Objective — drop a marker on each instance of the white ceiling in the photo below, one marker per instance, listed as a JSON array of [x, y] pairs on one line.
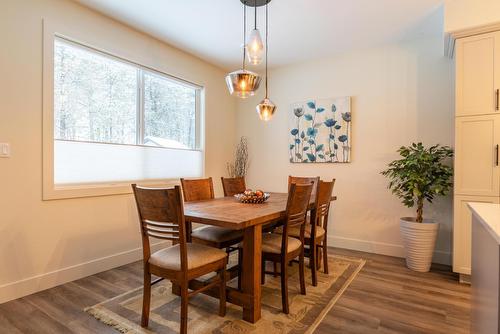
[[299, 30]]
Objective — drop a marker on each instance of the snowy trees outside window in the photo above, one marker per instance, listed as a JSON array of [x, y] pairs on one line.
[[99, 98]]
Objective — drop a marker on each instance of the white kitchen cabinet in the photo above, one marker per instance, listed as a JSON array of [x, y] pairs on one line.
[[477, 135], [476, 155], [462, 231], [477, 74]]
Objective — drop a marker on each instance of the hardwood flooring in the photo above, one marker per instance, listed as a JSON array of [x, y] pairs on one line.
[[385, 297]]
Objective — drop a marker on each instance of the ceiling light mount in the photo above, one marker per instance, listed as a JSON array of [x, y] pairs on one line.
[[255, 3]]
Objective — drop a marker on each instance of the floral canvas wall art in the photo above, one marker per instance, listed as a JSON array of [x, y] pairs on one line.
[[320, 131]]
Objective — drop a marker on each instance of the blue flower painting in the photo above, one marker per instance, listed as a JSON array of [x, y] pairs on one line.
[[320, 131]]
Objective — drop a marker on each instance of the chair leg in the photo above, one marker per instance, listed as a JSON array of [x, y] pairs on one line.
[[146, 298], [318, 257], [240, 264], [263, 272], [275, 269], [325, 256], [284, 287], [302, 273], [312, 262], [222, 291], [189, 230], [184, 308]]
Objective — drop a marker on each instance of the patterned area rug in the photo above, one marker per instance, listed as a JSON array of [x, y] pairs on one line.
[[306, 312]]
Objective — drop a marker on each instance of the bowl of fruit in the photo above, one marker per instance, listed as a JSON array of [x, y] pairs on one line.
[[253, 197]]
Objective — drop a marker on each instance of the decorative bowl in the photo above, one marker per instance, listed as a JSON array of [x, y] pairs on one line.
[[252, 199]]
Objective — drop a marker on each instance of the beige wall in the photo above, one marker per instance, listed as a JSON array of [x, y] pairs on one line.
[[463, 14], [400, 93], [46, 243]]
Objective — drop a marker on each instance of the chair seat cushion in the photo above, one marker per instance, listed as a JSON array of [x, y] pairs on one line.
[[217, 234], [295, 231], [271, 243], [197, 256]]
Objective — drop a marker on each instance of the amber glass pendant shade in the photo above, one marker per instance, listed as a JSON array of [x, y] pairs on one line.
[[243, 83], [266, 109]]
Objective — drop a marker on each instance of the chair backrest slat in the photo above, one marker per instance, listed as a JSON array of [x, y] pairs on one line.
[[161, 236], [171, 231], [233, 185], [161, 216], [160, 224], [296, 219], [197, 189]]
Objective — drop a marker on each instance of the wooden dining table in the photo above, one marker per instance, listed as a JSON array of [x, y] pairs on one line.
[[229, 213]]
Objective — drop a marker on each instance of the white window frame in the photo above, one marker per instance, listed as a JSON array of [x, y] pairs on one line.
[[50, 190]]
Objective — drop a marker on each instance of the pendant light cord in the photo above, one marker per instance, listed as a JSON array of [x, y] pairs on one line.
[[255, 15], [244, 33], [267, 34]]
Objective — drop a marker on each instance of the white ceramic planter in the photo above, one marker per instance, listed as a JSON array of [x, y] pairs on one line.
[[419, 240]]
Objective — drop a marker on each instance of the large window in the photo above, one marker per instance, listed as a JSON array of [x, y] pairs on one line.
[[108, 112], [104, 100]]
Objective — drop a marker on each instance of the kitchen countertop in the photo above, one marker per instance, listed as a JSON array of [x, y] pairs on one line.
[[489, 215]]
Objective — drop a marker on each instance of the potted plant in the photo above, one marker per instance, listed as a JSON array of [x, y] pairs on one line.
[[420, 175]]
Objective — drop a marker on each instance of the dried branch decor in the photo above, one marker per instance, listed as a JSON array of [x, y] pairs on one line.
[[239, 167]]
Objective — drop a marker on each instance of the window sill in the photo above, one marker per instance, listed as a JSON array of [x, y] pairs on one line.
[[102, 189]]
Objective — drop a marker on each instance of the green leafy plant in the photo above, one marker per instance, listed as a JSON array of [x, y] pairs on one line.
[[420, 175]]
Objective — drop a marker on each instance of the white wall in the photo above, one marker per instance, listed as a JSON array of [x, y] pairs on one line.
[[463, 14], [401, 93], [43, 243]]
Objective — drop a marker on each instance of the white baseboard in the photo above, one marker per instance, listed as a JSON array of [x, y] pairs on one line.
[[382, 248], [51, 279]]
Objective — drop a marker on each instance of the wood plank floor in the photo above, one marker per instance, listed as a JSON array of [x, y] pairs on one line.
[[384, 298]]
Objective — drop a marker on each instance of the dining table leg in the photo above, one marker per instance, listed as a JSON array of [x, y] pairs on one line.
[[251, 271]]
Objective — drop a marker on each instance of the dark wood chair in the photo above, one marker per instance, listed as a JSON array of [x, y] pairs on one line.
[[305, 180], [214, 236], [197, 189], [325, 192], [233, 185], [161, 215], [315, 235], [281, 248]]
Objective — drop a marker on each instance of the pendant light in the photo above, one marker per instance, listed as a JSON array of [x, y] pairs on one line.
[[266, 107], [255, 46], [243, 83]]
